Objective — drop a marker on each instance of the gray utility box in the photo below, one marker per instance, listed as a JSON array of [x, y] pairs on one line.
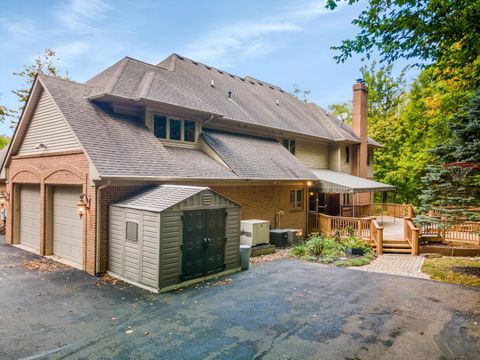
[[254, 232]]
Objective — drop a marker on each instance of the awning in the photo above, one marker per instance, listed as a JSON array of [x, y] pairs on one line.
[[331, 181]]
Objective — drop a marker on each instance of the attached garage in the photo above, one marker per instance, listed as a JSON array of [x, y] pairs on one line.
[[29, 215], [169, 234], [67, 232]]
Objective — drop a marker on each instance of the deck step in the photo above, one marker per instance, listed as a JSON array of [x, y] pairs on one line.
[[397, 250], [397, 245]]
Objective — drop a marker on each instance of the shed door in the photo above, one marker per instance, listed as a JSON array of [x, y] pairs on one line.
[[30, 216], [203, 243], [67, 224]]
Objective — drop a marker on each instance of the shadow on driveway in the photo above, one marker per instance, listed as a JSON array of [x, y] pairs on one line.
[[284, 309]]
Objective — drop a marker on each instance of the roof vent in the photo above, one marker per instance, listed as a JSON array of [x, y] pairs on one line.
[[212, 83], [230, 95], [277, 102]]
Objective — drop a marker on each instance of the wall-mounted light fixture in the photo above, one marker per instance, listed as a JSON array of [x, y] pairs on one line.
[[83, 204], [4, 196], [309, 183]]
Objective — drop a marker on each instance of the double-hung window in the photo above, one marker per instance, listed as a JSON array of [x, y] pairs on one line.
[[296, 199], [174, 129]]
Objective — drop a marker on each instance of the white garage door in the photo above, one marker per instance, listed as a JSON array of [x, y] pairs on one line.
[[67, 224], [30, 216]]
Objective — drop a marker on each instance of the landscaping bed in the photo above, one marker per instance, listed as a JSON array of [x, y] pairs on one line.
[[338, 251], [456, 270]]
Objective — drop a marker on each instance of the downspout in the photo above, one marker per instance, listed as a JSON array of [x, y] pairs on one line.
[[97, 225]]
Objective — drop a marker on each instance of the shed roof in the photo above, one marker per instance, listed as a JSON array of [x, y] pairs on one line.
[[338, 182], [160, 198]]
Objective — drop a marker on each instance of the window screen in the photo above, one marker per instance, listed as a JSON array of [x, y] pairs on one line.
[[160, 126], [189, 130], [175, 129], [132, 231]]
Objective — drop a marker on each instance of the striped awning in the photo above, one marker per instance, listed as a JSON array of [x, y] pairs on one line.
[[336, 182]]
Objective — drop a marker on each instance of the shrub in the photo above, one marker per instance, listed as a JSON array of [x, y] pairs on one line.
[[314, 245], [298, 250], [310, 258]]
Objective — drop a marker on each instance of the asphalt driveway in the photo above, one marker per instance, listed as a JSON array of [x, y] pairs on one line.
[[285, 309]]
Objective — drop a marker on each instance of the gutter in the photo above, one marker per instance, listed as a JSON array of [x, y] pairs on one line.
[[97, 227]]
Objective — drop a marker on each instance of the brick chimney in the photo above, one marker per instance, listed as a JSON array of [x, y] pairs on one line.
[[360, 125]]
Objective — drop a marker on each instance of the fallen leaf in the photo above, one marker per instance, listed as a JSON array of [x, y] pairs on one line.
[[128, 331]]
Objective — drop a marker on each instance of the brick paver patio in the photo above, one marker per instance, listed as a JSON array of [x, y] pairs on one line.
[[396, 264]]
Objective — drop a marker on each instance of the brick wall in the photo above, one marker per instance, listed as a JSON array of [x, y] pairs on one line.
[[262, 202]]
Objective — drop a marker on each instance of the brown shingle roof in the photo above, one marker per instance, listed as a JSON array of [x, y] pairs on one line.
[[121, 146], [254, 157], [187, 83]]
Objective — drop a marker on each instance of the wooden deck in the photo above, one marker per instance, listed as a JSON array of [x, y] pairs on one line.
[[392, 227]]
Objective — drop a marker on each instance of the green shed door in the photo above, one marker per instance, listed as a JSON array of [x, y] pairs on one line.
[[215, 249], [203, 250], [193, 258]]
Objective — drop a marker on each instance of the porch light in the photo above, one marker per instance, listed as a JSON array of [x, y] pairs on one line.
[[83, 204], [309, 183], [3, 197]]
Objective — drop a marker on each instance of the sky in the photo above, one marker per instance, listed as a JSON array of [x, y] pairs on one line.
[[286, 43]]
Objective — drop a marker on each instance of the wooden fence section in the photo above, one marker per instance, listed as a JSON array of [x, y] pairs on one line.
[[376, 235]]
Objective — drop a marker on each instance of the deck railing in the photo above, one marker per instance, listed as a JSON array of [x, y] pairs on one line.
[[376, 235], [367, 228], [464, 232], [377, 209], [328, 225], [411, 234]]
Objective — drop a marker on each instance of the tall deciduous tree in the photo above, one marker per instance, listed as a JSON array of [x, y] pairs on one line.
[[342, 111], [44, 63], [432, 31]]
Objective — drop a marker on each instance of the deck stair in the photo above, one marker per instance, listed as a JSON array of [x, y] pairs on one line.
[[394, 246]]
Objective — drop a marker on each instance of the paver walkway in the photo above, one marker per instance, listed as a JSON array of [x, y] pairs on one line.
[[395, 264]]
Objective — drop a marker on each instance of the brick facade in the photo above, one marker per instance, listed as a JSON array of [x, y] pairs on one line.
[[47, 170], [263, 201]]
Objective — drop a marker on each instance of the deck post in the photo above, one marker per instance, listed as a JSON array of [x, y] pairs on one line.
[[405, 228], [410, 211], [380, 240], [415, 235]]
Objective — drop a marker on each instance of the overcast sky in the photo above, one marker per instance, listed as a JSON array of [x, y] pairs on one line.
[[281, 42]]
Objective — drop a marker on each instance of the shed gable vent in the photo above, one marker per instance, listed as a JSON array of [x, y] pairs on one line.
[[206, 199]]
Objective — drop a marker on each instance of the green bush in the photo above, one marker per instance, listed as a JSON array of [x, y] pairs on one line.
[[314, 245], [298, 250], [309, 258]]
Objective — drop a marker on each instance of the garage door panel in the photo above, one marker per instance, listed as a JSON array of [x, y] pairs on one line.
[[30, 216], [67, 224]]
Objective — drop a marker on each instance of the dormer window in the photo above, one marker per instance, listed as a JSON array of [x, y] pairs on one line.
[[174, 129], [289, 145]]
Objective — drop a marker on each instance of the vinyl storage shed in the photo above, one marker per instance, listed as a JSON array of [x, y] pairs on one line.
[[169, 234]]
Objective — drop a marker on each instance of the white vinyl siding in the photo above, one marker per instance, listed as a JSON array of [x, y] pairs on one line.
[[48, 127], [312, 155]]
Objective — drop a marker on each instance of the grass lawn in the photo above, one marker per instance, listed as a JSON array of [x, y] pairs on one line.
[[457, 270]]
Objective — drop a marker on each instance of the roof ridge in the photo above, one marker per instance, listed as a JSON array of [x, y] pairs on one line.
[[40, 74]]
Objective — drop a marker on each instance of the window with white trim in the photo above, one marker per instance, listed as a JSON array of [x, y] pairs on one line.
[[174, 129]]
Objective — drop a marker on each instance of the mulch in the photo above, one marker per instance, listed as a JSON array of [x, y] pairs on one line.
[[467, 270], [262, 259]]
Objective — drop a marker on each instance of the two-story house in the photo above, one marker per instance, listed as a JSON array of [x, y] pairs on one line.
[[80, 147]]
